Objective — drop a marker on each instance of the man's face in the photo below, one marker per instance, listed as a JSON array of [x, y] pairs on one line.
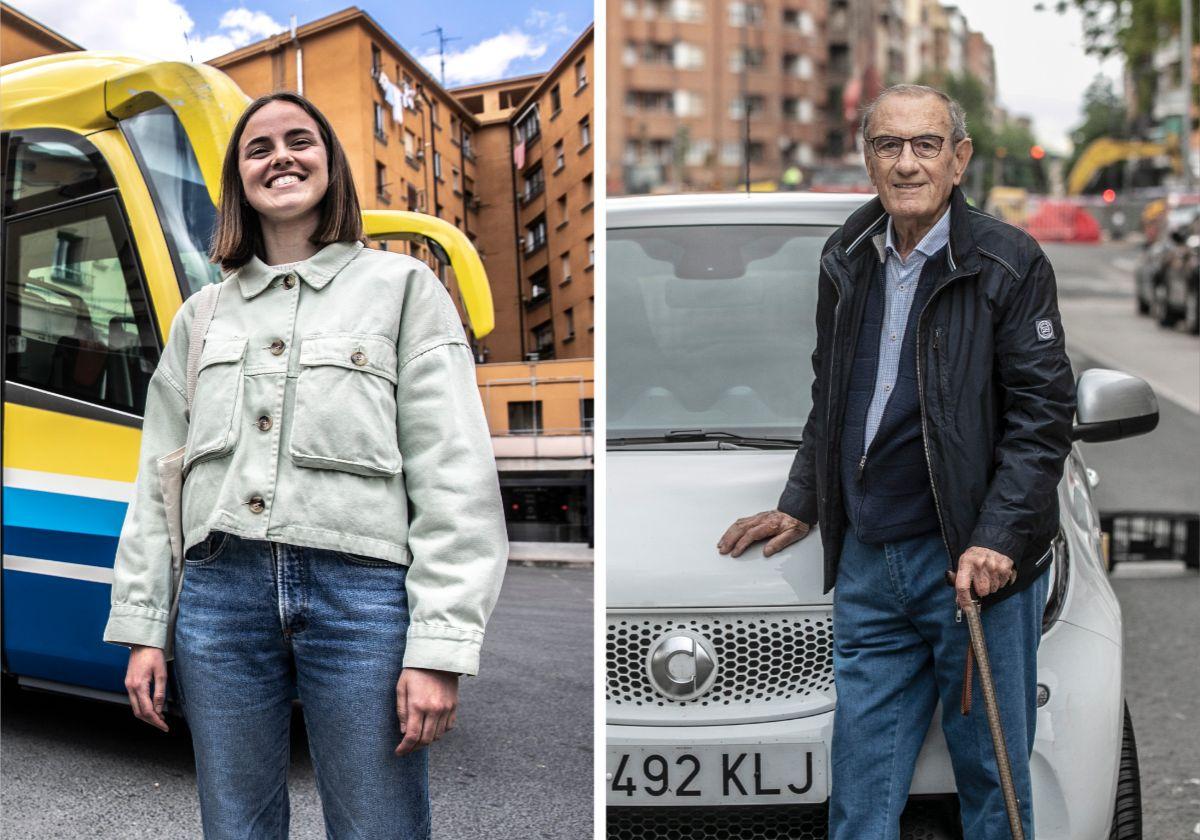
[[914, 188]]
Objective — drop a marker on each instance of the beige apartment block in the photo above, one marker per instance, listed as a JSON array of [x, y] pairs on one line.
[[22, 37], [537, 133], [702, 94]]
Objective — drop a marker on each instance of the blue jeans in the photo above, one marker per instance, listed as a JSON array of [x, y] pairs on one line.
[[257, 619], [898, 649]]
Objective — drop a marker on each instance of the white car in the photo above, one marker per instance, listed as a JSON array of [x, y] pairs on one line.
[[720, 689]]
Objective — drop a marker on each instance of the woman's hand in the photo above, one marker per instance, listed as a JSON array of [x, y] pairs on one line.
[[147, 665], [426, 703]]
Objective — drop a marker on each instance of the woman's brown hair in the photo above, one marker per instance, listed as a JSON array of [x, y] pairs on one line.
[[237, 235]]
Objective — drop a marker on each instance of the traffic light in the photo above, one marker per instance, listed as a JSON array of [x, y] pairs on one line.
[[1037, 152]]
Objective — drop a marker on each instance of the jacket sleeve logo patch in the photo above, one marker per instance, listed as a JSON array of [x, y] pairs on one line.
[[1045, 329]]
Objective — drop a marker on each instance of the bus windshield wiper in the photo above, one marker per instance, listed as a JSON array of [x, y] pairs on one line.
[[698, 435]]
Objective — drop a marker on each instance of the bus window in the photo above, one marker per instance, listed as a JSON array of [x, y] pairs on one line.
[[161, 148], [49, 166], [76, 321]]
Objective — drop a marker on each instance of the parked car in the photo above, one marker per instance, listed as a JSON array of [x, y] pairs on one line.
[[1165, 275], [1178, 296], [110, 185], [720, 691]]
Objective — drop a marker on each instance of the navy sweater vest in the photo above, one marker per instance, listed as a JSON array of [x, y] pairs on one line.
[[889, 497]]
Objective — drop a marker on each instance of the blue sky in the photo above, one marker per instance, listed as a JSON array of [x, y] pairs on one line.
[[495, 40]]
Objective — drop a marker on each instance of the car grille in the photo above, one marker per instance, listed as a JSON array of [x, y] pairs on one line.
[[922, 820], [770, 664]]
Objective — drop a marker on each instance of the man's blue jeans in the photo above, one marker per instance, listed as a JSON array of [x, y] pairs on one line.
[[898, 649], [256, 618]]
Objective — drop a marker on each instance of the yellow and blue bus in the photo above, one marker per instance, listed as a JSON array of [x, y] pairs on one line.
[[111, 171]]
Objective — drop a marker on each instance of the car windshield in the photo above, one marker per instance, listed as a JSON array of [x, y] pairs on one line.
[[711, 328], [176, 184]]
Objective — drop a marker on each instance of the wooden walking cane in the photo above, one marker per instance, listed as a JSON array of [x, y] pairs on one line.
[[978, 652]]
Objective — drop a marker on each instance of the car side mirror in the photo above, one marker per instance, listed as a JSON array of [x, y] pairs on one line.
[[1112, 405]]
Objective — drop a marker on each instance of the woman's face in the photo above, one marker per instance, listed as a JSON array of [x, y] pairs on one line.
[[281, 139]]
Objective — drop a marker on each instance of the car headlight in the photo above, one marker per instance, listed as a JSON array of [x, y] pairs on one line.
[[1060, 568]]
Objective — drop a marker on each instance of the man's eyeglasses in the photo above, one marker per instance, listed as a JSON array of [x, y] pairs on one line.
[[923, 146]]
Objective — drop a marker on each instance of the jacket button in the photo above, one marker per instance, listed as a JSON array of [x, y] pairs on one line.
[[359, 358], [257, 505], [264, 423], [277, 346], [289, 280]]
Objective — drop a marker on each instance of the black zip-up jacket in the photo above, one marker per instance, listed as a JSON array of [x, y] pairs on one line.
[[996, 390]]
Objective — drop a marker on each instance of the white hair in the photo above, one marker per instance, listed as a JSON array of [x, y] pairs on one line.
[[958, 117]]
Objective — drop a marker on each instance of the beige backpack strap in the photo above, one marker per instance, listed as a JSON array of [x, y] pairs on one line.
[[206, 305]]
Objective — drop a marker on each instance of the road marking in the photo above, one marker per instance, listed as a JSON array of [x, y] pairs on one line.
[[1145, 569]]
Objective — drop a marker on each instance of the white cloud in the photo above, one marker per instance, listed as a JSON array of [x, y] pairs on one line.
[[151, 28], [489, 59]]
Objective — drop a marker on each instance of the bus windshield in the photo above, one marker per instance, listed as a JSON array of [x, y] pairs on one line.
[[176, 185], [711, 328]]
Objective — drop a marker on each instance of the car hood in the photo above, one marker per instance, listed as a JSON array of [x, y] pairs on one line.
[[666, 509]]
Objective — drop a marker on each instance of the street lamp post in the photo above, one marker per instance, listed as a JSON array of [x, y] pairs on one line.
[[1185, 133]]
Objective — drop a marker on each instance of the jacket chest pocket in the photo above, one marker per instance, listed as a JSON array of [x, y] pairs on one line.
[[212, 420], [345, 415]]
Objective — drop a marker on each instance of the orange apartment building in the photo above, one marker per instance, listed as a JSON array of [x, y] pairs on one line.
[[695, 88], [22, 37], [536, 133]]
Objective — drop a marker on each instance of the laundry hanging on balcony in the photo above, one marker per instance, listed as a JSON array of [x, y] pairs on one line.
[[398, 98]]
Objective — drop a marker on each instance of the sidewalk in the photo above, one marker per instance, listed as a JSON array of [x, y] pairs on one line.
[[550, 554]]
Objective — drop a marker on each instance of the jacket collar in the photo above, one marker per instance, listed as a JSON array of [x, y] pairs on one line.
[[316, 271], [871, 220]]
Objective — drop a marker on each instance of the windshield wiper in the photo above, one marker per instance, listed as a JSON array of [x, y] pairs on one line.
[[697, 435]]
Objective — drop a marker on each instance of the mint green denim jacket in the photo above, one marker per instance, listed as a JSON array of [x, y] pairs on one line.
[[323, 405]]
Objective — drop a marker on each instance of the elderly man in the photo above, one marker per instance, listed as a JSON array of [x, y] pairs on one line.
[[941, 418]]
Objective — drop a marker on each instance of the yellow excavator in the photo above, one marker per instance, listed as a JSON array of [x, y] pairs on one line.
[[1106, 151]]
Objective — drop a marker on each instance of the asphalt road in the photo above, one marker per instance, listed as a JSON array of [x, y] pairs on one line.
[[1160, 600], [518, 765]]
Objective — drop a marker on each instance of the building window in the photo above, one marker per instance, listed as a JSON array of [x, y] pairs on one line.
[[585, 133], [535, 235], [562, 210], [456, 179], [580, 74], [591, 243], [555, 101], [380, 126], [437, 165], [539, 286], [745, 13], [565, 262], [543, 340], [587, 414], [529, 126], [376, 60], [559, 161], [525, 418], [381, 183], [589, 191], [569, 317], [414, 198], [410, 147], [534, 184], [466, 145], [433, 112]]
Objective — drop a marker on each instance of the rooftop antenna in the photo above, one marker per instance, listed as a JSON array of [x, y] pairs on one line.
[[442, 41], [187, 41]]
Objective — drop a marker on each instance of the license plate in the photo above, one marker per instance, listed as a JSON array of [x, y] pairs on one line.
[[723, 774]]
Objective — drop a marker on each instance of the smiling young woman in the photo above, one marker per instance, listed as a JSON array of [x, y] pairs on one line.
[[333, 386]]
